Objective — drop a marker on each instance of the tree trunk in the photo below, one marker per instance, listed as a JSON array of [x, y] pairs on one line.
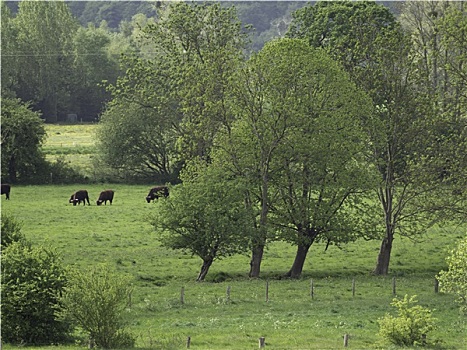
[[260, 241], [204, 269], [256, 258], [382, 264], [12, 169], [297, 267]]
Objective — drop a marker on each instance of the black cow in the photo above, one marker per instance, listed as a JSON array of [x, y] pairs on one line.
[[157, 192], [6, 190], [80, 196], [107, 195]]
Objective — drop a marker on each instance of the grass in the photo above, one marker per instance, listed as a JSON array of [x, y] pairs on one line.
[[120, 234], [74, 143]]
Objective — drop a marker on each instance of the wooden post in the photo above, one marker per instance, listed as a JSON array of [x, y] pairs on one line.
[[188, 342], [228, 294], [394, 286], [267, 292], [262, 342], [312, 291], [436, 285], [182, 296], [353, 287], [346, 340]]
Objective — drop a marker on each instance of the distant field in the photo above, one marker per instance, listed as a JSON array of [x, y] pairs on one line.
[[73, 143], [120, 234]]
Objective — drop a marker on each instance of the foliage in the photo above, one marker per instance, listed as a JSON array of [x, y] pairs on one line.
[[93, 64], [44, 55], [177, 91], [95, 300], [23, 133], [11, 231], [376, 52], [137, 141], [454, 280], [32, 281], [412, 324], [206, 216], [296, 138]]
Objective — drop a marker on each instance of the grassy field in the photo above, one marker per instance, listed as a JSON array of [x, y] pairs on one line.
[[73, 143], [120, 234]]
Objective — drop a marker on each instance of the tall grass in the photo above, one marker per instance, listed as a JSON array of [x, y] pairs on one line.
[[120, 234]]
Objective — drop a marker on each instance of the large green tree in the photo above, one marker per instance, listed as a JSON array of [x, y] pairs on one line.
[[182, 81], [8, 46], [205, 215], [45, 32], [93, 64], [439, 32], [373, 48], [23, 133], [299, 141]]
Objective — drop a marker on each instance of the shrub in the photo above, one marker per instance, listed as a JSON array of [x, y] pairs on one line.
[[31, 282], [95, 299], [410, 326], [455, 279], [11, 231]]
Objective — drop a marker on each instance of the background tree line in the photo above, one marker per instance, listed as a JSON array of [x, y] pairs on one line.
[[65, 58]]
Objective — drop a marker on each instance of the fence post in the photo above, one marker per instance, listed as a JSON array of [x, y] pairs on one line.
[[353, 287], [228, 293], [394, 286], [267, 291], [312, 289], [436, 285], [262, 342], [346, 340], [188, 342], [182, 296]]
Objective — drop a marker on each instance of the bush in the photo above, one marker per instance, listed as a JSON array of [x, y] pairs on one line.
[[11, 231], [454, 280], [95, 299], [31, 282], [410, 327]]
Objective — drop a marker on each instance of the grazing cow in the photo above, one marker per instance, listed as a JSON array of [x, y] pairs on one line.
[[80, 196], [6, 190], [107, 195], [157, 192]]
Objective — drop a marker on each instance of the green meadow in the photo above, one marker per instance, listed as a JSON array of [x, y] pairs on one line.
[[229, 310]]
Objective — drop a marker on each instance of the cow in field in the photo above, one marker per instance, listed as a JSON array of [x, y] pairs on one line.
[[157, 192], [107, 195], [6, 190], [80, 196]]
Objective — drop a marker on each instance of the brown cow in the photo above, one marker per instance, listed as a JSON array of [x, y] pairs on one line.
[[80, 196], [6, 190], [157, 192], [107, 195]]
